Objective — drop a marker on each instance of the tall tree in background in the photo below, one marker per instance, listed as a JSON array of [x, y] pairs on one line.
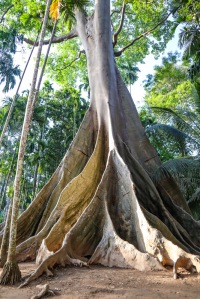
[[101, 204], [11, 272]]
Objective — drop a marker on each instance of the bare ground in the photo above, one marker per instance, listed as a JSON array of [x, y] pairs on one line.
[[101, 282]]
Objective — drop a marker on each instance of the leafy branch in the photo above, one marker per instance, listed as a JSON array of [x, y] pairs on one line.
[[119, 53], [68, 65], [120, 25], [177, 114], [5, 12], [181, 167]]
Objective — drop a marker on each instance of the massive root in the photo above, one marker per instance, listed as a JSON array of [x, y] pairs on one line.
[[116, 230]]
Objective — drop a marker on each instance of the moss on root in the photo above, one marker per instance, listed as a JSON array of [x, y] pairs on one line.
[[10, 274]]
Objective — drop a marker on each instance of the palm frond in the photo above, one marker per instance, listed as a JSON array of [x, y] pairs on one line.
[[169, 115], [195, 196], [186, 183], [179, 168], [189, 39], [192, 119], [197, 98], [171, 132]]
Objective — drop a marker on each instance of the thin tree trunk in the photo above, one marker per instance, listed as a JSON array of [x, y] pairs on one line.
[[35, 178], [16, 95], [37, 182], [5, 240], [2, 190], [11, 272], [74, 121], [7, 178], [45, 59], [36, 95]]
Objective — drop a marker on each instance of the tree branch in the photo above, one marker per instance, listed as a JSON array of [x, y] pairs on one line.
[[77, 58], [2, 17], [120, 25], [118, 53], [115, 11], [59, 39]]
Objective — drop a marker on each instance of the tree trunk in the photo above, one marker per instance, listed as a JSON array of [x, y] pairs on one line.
[[35, 177], [2, 192], [5, 240], [5, 184], [101, 205]]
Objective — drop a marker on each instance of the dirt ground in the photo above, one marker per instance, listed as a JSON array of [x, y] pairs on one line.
[[101, 282]]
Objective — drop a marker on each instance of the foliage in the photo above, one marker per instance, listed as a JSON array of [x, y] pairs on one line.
[[189, 40], [170, 86], [8, 71], [129, 73], [186, 172], [138, 15], [175, 129], [178, 144]]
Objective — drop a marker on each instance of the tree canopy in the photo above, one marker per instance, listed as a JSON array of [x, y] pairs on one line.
[[68, 60]]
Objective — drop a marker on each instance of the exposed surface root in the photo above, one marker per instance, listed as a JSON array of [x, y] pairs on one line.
[[27, 250], [10, 274], [112, 251], [45, 290], [50, 262]]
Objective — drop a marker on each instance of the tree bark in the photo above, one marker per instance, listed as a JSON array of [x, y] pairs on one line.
[[5, 184], [5, 240]]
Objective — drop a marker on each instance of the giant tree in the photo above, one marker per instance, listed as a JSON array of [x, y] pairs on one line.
[[101, 204]]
